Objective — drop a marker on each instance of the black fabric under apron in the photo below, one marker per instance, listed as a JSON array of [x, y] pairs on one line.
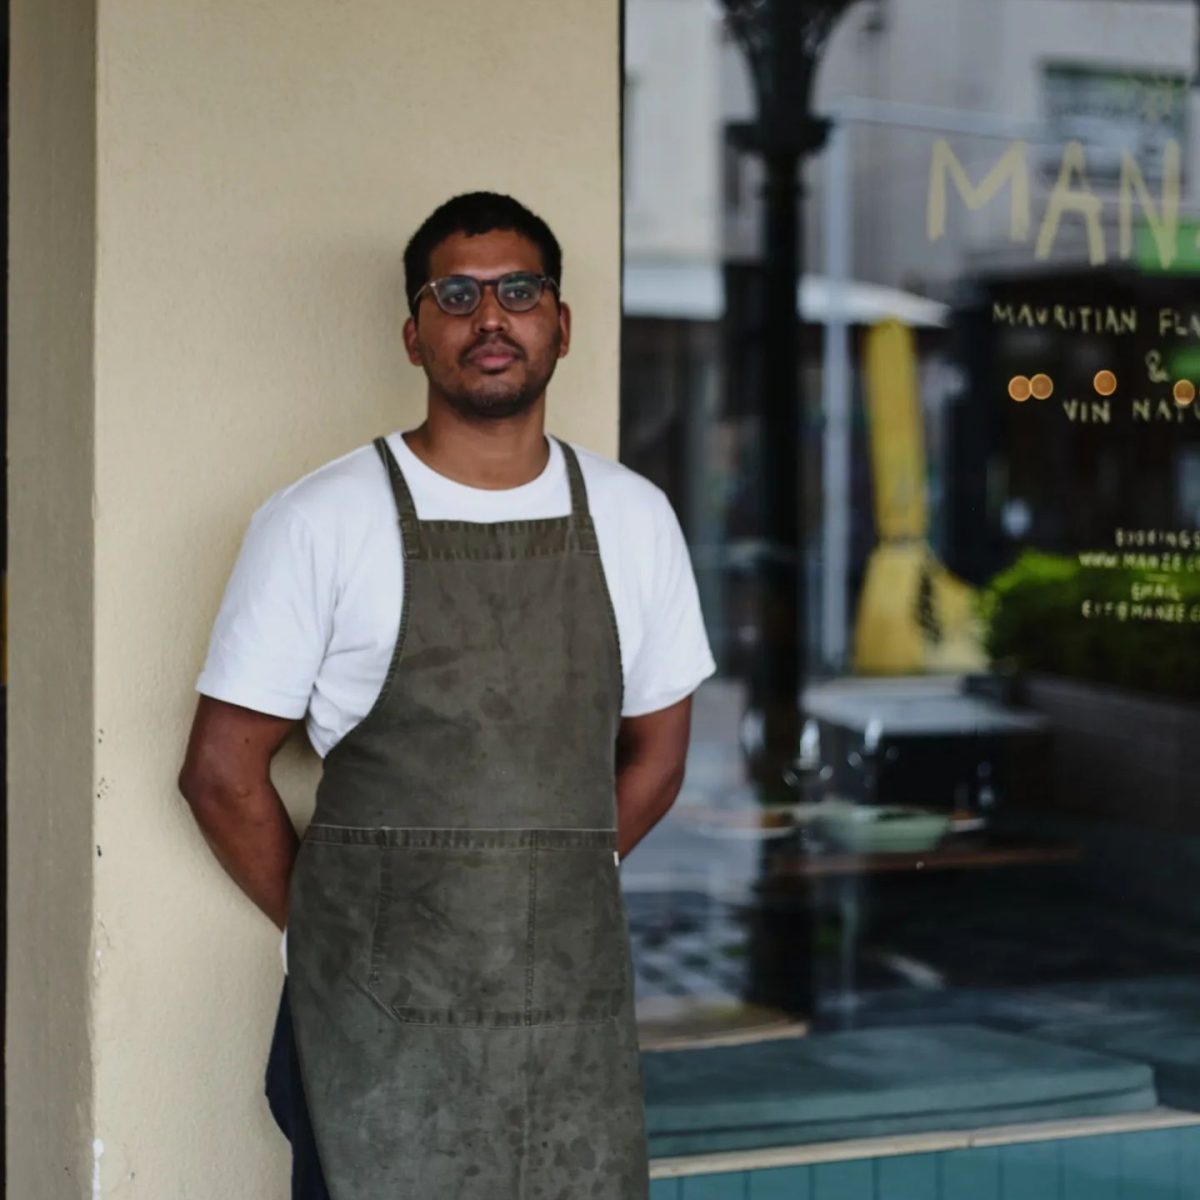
[[285, 1096]]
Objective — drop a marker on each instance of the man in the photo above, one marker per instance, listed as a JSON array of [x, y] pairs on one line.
[[494, 637]]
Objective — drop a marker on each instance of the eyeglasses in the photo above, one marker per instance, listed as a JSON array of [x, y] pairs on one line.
[[460, 295]]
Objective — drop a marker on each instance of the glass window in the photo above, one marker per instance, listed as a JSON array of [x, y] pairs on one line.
[[912, 341]]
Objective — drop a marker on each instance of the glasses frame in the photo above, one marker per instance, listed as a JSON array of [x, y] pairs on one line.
[[483, 285]]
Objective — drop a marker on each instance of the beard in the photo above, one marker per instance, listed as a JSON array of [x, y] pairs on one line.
[[495, 397]]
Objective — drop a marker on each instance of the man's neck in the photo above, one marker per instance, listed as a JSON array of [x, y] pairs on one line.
[[497, 455]]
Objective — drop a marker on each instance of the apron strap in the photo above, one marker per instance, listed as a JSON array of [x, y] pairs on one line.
[[579, 501], [404, 502]]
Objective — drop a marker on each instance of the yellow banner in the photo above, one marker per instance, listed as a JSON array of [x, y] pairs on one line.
[[913, 615], [897, 442]]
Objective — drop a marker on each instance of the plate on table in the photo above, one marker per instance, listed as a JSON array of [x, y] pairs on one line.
[[880, 828]]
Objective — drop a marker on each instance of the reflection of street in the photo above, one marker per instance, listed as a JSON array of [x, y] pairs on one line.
[[688, 884], [996, 828], [684, 851], [1004, 947]]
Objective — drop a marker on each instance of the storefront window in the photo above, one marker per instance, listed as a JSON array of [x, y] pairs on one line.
[[963, 529]]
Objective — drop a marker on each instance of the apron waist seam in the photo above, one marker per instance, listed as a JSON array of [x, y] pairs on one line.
[[466, 837]]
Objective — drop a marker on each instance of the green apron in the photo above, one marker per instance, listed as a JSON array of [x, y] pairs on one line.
[[458, 950]]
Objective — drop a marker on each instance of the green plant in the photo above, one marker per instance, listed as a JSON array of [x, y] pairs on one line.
[[1034, 620]]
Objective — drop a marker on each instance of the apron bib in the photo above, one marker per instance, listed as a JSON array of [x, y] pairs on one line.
[[459, 961]]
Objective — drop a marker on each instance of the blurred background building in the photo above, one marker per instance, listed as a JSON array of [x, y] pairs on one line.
[[996, 460]]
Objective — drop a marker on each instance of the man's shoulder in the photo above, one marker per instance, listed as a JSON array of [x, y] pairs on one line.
[[348, 486], [614, 486]]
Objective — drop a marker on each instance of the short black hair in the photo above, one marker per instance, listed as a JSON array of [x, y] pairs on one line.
[[474, 213]]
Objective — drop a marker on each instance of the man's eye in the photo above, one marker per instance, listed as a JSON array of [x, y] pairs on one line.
[[457, 294], [520, 289]]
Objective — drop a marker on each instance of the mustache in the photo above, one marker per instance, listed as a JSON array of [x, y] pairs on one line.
[[493, 342]]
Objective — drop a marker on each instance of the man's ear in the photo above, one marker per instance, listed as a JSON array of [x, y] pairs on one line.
[[411, 345], [564, 327]]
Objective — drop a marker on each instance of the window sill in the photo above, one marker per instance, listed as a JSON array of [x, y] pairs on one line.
[[916, 1143]]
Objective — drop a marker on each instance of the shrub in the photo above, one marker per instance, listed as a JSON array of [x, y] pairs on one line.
[[1033, 619]]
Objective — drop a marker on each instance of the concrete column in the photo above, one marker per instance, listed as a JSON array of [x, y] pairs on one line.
[[52, 606], [209, 203]]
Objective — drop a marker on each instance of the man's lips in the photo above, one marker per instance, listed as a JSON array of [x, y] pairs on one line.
[[493, 356]]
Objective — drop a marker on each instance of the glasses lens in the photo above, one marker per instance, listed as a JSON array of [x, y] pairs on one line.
[[458, 294], [519, 291]]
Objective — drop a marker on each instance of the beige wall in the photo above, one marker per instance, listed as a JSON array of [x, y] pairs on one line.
[[51, 722], [255, 172]]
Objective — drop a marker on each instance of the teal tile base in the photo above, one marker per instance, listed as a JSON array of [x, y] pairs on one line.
[[1157, 1164]]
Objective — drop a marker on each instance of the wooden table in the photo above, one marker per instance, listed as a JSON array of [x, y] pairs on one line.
[[954, 852]]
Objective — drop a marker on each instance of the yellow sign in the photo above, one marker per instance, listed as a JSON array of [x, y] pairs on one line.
[[914, 615], [1072, 196]]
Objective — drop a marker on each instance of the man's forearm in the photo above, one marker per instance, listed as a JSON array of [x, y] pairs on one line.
[[646, 789], [254, 839]]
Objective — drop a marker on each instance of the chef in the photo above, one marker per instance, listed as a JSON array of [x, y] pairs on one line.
[[492, 636]]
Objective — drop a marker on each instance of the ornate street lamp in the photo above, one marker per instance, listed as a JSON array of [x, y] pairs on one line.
[[782, 41]]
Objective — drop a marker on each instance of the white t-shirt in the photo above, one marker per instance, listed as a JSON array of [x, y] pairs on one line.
[[312, 609]]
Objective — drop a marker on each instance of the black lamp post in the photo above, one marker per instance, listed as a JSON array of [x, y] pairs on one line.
[[782, 41]]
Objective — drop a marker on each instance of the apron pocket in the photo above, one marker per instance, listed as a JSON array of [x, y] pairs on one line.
[[498, 934], [580, 936], [451, 928]]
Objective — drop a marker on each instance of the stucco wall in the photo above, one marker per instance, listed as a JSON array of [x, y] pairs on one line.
[[258, 167], [51, 604]]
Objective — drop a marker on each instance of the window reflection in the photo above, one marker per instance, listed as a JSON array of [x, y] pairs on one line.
[[984, 817]]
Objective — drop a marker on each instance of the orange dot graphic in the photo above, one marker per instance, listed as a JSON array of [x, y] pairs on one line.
[[1042, 386], [1019, 388], [1184, 391], [1105, 383]]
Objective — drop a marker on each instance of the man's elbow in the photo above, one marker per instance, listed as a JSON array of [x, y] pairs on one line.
[[675, 772], [204, 786], [191, 784], [196, 786]]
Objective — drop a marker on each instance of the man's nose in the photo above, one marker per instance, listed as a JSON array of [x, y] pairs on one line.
[[490, 314]]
